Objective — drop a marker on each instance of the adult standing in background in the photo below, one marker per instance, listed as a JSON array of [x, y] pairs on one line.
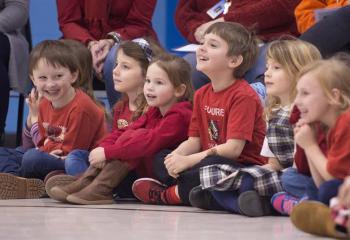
[[100, 25], [13, 53], [331, 33], [269, 18]]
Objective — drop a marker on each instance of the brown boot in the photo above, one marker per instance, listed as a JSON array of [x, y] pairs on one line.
[[60, 193], [58, 181], [13, 187], [100, 191], [315, 218]]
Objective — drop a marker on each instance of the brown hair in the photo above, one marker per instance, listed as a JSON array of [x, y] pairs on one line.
[[70, 54], [292, 55], [240, 41], [55, 53], [178, 71], [134, 50]]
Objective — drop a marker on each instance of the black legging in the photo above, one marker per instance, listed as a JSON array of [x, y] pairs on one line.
[[332, 34], [4, 80], [187, 179]]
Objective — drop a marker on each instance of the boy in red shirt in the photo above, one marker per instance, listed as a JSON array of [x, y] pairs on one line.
[[227, 125]]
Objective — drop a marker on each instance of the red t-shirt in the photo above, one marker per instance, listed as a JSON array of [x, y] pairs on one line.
[[338, 142], [233, 113], [78, 125]]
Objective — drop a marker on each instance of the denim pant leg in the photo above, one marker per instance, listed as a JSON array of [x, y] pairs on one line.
[[112, 95], [328, 190], [77, 162], [199, 79], [298, 184], [11, 160], [37, 164]]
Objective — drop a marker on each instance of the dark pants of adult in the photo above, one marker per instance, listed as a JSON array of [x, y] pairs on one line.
[[4, 81], [328, 190], [189, 178], [332, 34]]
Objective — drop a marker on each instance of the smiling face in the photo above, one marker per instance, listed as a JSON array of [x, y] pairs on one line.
[[158, 89], [127, 75], [54, 83], [311, 100], [212, 54], [277, 81]]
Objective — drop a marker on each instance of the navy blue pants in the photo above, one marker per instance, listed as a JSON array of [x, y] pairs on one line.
[[11, 160], [331, 34]]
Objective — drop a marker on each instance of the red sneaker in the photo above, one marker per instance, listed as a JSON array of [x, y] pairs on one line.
[[150, 191]]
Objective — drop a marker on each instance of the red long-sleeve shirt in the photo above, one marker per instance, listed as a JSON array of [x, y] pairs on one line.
[[86, 20], [270, 18], [152, 132], [78, 125]]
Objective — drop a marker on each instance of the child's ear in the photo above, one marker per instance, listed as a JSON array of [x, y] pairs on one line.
[[33, 80], [337, 97], [235, 61], [75, 76], [180, 90]]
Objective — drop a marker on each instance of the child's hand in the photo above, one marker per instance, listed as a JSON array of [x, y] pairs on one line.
[[304, 134], [33, 100], [97, 157], [175, 164], [344, 193]]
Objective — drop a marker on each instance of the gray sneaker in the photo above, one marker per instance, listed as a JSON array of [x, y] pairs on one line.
[[252, 205]]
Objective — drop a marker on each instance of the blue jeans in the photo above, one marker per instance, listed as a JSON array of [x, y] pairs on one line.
[[254, 74], [37, 164], [112, 95], [328, 190], [11, 160], [77, 162], [299, 185]]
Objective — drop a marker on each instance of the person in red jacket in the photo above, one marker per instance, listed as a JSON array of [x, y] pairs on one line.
[[325, 24], [168, 92], [270, 19], [101, 25]]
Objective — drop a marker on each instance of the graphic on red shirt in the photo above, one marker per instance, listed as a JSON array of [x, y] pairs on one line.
[[54, 133], [213, 131]]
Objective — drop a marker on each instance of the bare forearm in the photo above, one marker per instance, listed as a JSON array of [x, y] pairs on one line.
[[188, 147], [318, 164], [231, 150]]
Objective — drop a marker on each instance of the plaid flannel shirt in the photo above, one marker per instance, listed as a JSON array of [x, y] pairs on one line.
[[280, 137], [223, 177]]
